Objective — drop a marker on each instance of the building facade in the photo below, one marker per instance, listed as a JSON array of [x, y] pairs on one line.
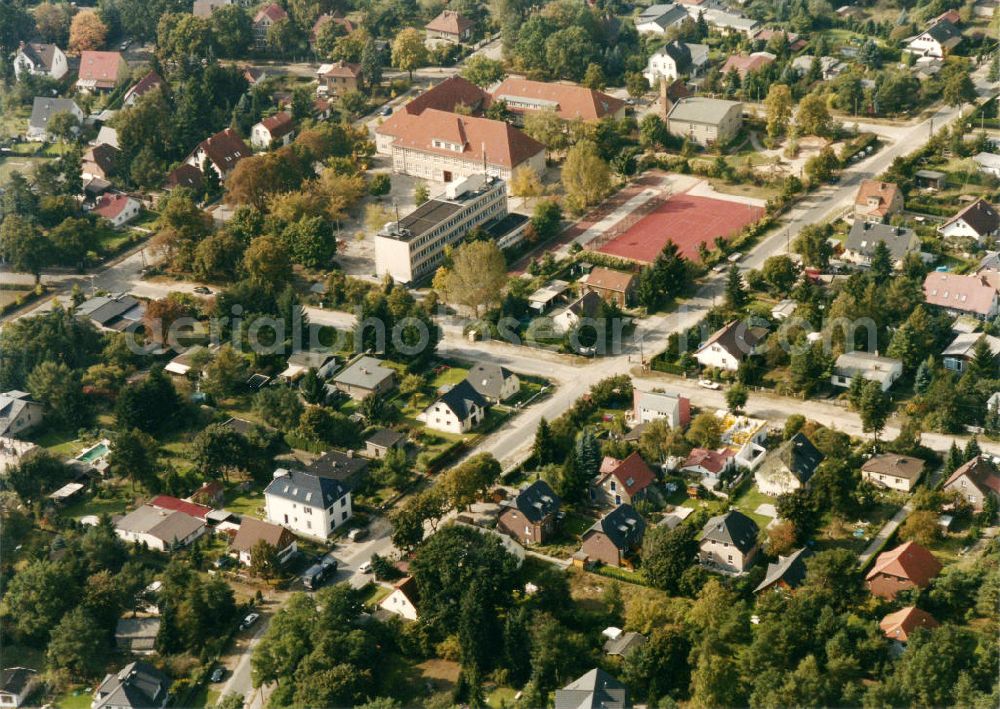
[[307, 504]]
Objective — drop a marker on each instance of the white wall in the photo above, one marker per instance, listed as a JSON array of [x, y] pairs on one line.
[[309, 521]]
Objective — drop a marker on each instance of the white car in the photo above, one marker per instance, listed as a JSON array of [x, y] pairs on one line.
[[365, 568], [709, 384], [249, 620]]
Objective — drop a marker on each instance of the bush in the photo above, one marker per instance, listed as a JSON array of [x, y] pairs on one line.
[[380, 184]]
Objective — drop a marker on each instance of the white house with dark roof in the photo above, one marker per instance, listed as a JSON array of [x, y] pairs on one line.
[[493, 382], [730, 345], [864, 237], [936, 41], [979, 220], [40, 59], [458, 410], [306, 503], [789, 468], [253, 531], [674, 60], [19, 413], [787, 573], [138, 685], [43, 109], [16, 685]]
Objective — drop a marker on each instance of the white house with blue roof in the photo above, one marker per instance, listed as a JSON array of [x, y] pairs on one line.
[[308, 504]]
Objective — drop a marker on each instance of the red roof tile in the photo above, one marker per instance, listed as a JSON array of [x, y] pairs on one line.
[[225, 149], [444, 97], [907, 561], [273, 12], [102, 67], [974, 294], [146, 84], [981, 472], [279, 124], [450, 22], [712, 461], [885, 192], [570, 101], [167, 502], [743, 64], [632, 473], [110, 206], [899, 625]]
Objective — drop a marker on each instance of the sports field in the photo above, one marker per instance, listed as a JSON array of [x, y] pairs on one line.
[[687, 221]]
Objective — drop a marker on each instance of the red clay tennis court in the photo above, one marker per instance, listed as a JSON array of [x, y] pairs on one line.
[[687, 221]]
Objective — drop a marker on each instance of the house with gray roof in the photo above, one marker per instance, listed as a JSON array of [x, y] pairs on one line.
[[458, 410], [138, 685], [112, 312], [705, 121], [621, 643], [342, 466], [594, 690], [615, 538], [532, 515], [42, 111], [657, 19], [365, 375], [137, 635], [788, 468], [158, 528], [936, 41], [788, 573], [729, 543], [40, 59], [16, 685], [864, 237], [382, 440], [873, 367], [493, 382], [306, 503], [18, 413]]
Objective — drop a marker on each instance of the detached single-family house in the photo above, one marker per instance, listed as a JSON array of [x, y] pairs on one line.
[[957, 295], [338, 78], [789, 468], [458, 410], [729, 543], [159, 529], [16, 685], [586, 306], [119, 209], [830, 67], [744, 64], [936, 41], [308, 504], [221, 151], [861, 241], [873, 367], [344, 467], [657, 19], [299, 364], [19, 413], [959, 353], [594, 690], [532, 515], [615, 538], [275, 130], [652, 405], [382, 440], [150, 81], [730, 346], [403, 600], [112, 312], [137, 636], [787, 573], [705, 462], [450, 26], [876, 201], [101, 71], [907, 566], [974, 481], [493, 382], [705, 121], [268, 16], [99, 162], [675, 60], [254, 531], [979, 220], [365, 375], [40, 59], [621, 644], [138, 685], [613, 286], [899, 626], [898, 472], [42, 110], [336, 17], [621, 481]]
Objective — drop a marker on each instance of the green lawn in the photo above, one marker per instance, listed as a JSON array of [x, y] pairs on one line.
[[749, 500], [375, 595], [245, 504], [23, 164], [449, 377], [77, 699], [501, 696], [97, 506]]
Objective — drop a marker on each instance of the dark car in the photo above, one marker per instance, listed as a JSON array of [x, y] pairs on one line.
[[317, 574], [387, 111]]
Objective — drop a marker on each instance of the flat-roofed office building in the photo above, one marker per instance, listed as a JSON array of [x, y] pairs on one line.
[[413, 247]]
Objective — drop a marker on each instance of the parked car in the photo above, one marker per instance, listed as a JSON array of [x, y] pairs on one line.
[[366, 567], [202, 290], [317, 574], [709, 384], [249, 620], [217, 674], [386, 111], [357, 534]]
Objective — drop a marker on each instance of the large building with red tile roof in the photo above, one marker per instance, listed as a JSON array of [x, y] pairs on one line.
[[445, 147], [446, 96], [451, 26], [975, 481], [100, 71], [907, 566], [222, 150], [569, 101], [962, 295]]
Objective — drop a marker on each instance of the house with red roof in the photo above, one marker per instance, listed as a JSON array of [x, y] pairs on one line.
[[621, 481], [222, 151], [450, 26], [876, 201], [974, 295], [338, 78], [275, 130], [447, 147], [899, 626], [99, 161], [975, 481], [346, 26], [569, 101], [175, 504], [907, 566], [703, 461], [184, 175], [101, 71], [150, 81], [743, 64], [446, 96], [268, 16], [119, 209]]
